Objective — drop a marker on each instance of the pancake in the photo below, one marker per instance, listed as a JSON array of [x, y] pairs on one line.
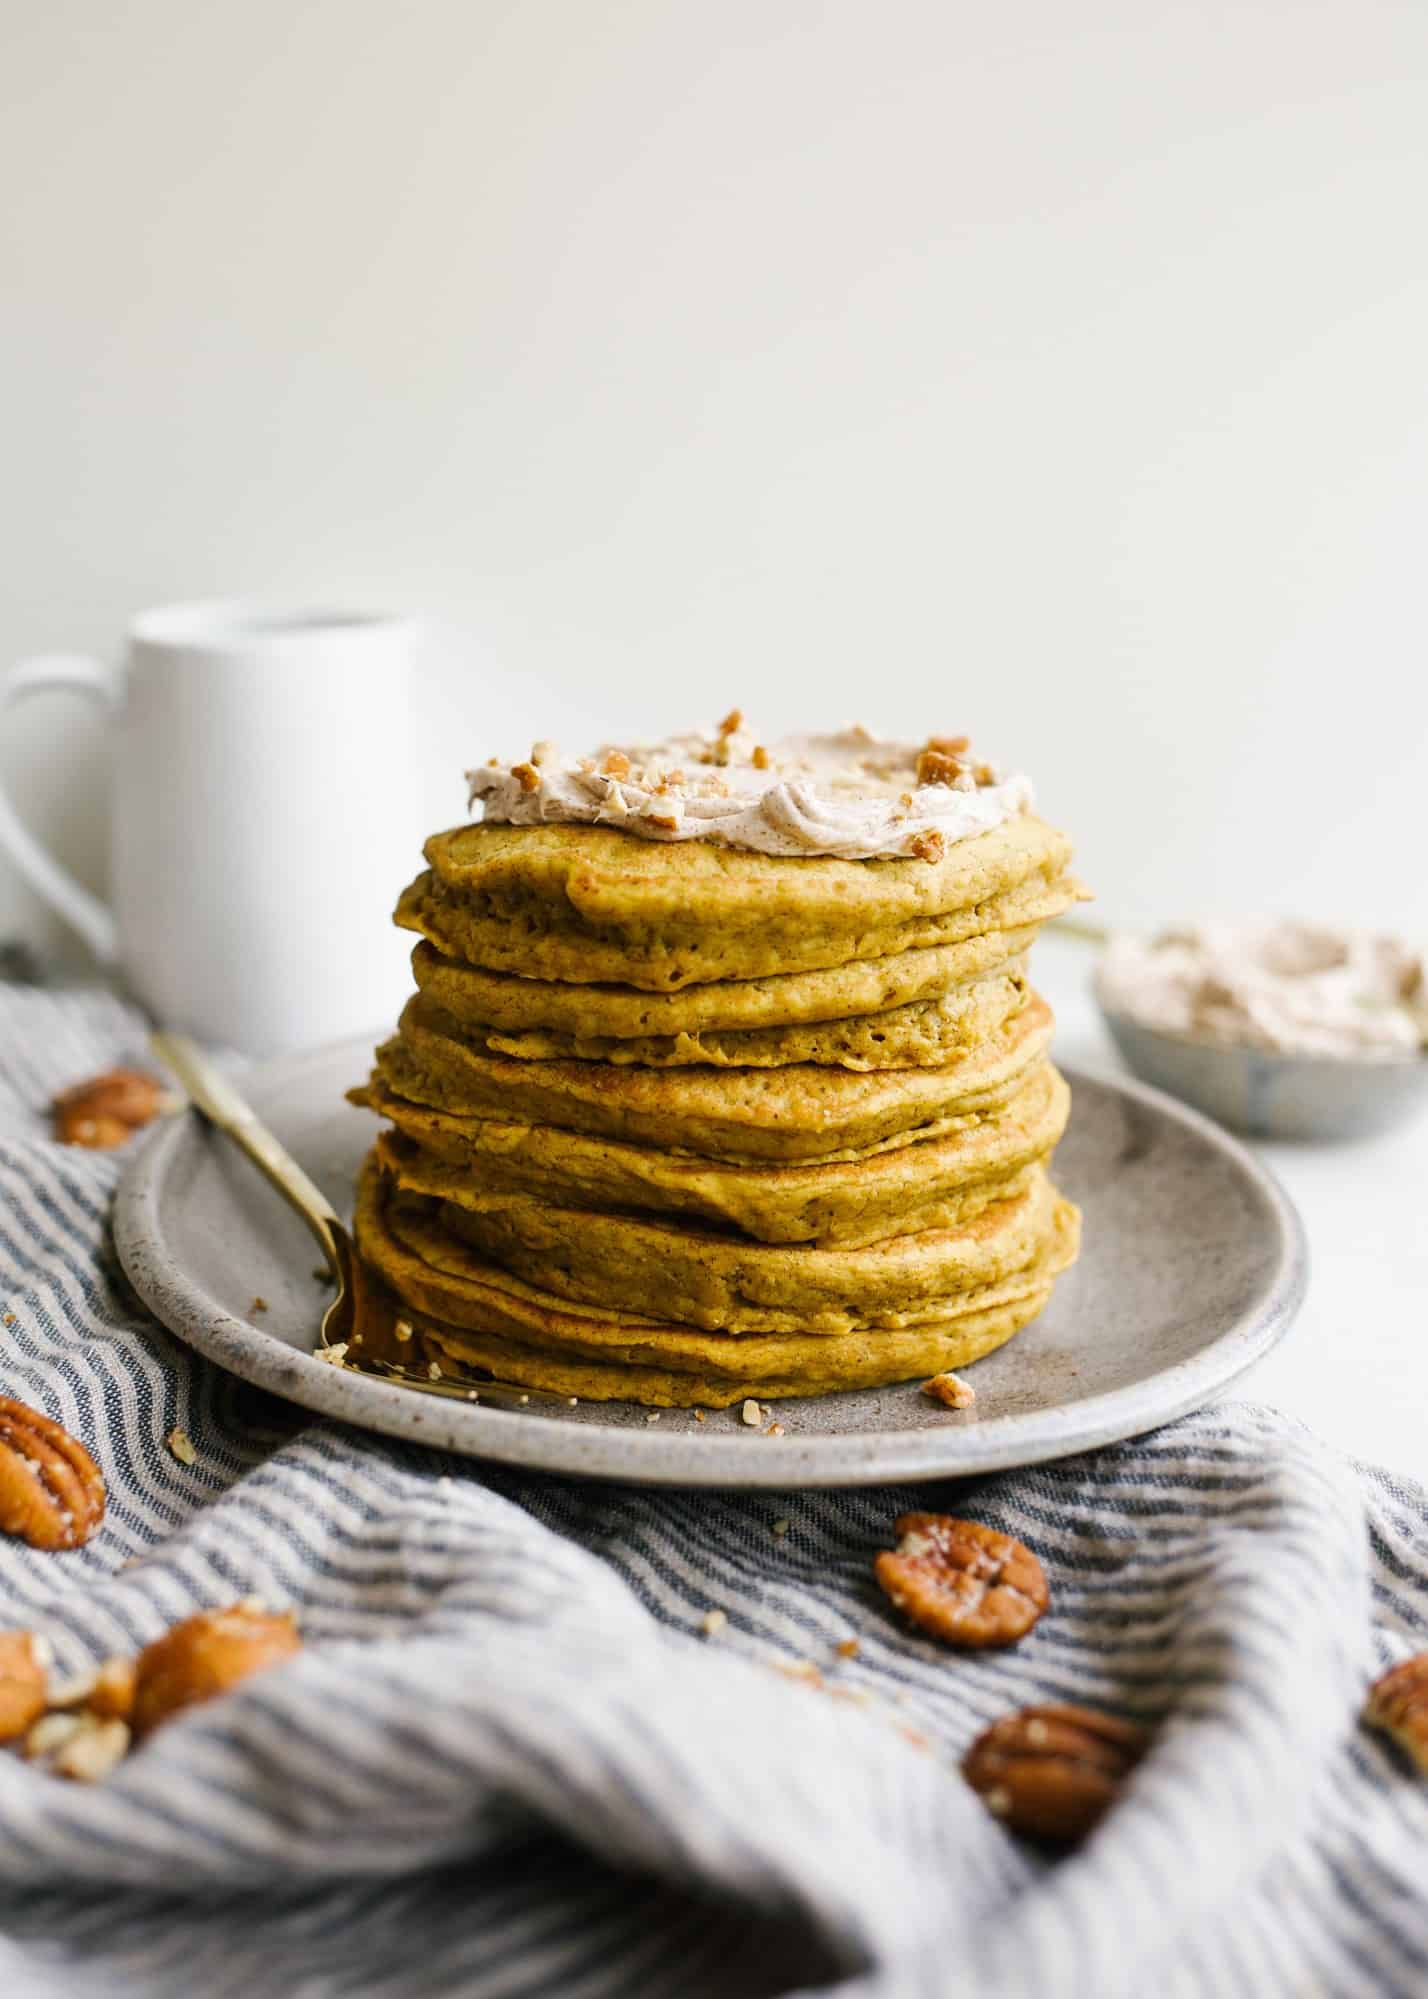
[[927, 1034], [800, 1112], [608, 880], [863, 1360], [507, 928], [702, 1277], [484, 1318], [935, 1183], [451, 1283], [500, 1002]]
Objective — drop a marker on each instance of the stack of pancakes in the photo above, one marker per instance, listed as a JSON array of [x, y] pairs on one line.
[[682, 1124]]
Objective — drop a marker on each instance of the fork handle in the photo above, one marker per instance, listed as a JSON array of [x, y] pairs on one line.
[[213, 1094]]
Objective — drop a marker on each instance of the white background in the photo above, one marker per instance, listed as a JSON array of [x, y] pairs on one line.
[[1058, 372]]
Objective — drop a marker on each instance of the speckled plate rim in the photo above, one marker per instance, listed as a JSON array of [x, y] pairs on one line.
[[526, 1438]]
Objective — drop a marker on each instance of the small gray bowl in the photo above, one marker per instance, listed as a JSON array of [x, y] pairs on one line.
[[1275, 1096]]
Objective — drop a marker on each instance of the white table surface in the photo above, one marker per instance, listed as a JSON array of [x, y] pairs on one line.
[[1355, 1365]]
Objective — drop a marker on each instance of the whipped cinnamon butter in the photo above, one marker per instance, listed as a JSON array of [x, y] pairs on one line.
[[848, 796], [1296, 988]]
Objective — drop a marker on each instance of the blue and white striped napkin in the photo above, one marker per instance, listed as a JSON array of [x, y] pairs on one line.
[[507, 1761]]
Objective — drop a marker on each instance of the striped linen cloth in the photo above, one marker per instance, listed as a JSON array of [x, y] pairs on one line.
[[508, 1762]]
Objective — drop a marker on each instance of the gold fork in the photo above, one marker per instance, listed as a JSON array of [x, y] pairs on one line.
[[364, 1312]]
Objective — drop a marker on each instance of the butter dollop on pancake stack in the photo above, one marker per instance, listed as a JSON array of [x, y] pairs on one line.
[[723, 1076]]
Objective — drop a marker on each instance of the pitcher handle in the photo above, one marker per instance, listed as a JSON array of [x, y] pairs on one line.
[[52, 883]]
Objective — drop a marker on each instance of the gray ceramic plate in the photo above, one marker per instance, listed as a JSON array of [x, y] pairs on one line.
[[1193, 1266]]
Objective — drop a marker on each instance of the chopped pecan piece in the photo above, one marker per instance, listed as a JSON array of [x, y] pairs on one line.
[[949, 746], [92, 1751], [107, 1692], [617, 764], [927, 846], [107, 1110], [732, 722], [936, 767], [180, 1443], [1052, 1773], [205, 1656], [1398, 1705], [51, 1494], [950, 1390], [24, 1681], [527, 776], [50, 1733], [964, 1583], [760, 758]]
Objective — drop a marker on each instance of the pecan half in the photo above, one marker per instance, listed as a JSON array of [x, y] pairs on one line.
[[965, 1583], [1052, 1773], [24, 1681], [51, 1494], [1398, 1705], [107, 1110], [205, 1656]]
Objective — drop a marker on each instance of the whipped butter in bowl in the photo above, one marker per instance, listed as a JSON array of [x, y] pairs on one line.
[[1286, 1030]]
